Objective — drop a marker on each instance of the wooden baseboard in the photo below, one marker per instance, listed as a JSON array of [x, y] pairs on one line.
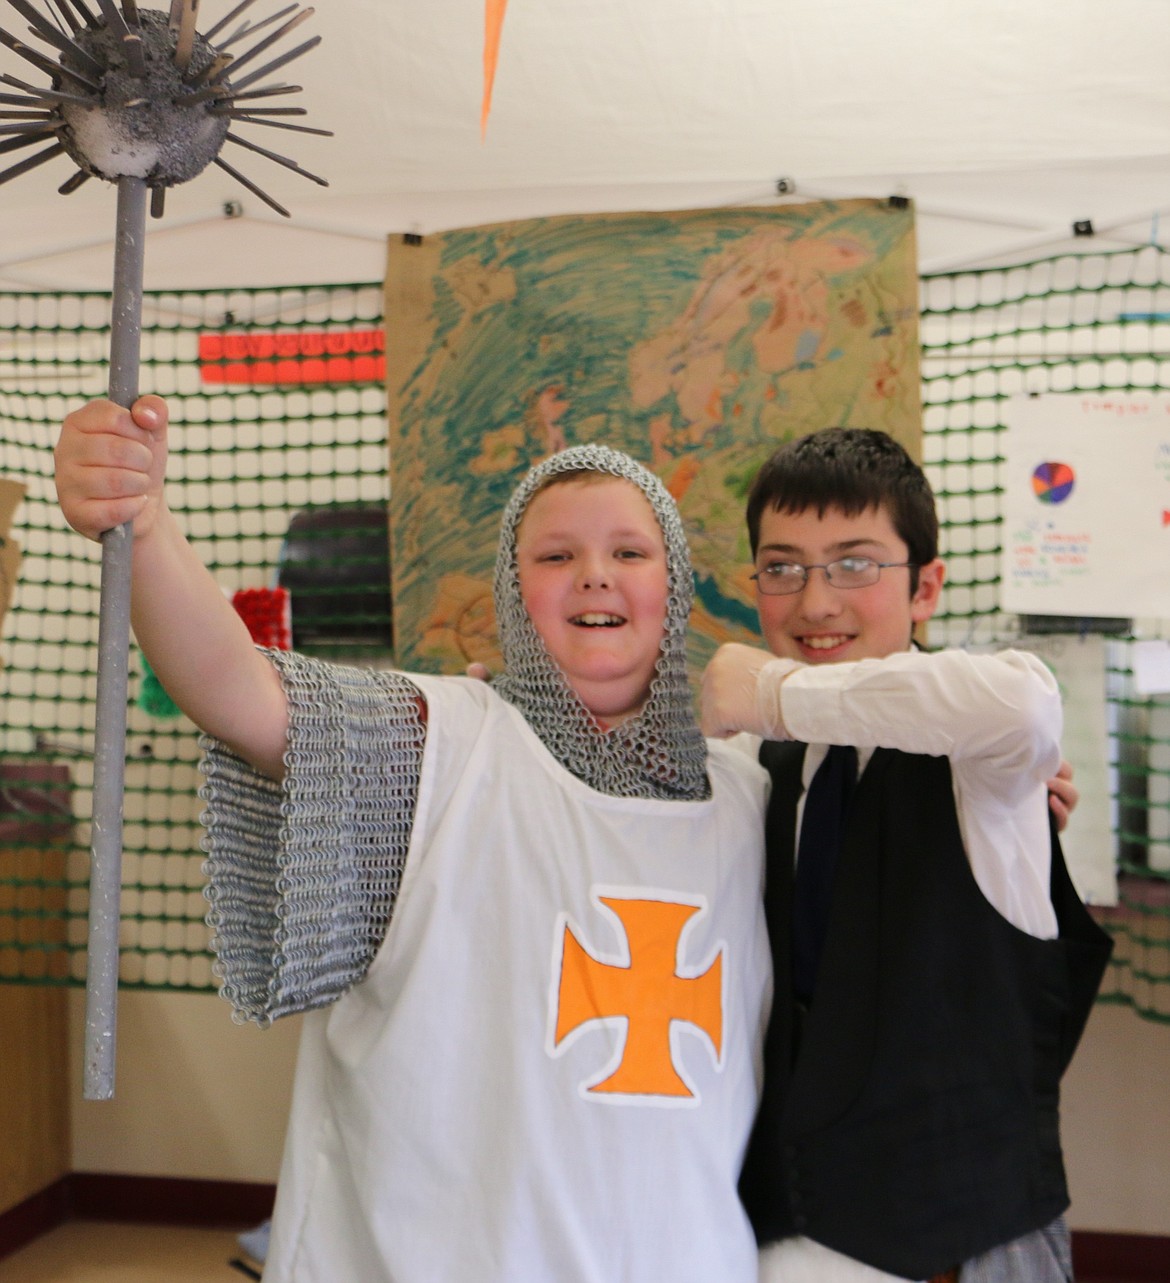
[[168, 1200], [1144, 1258], [153, 1200], [34, 1217]]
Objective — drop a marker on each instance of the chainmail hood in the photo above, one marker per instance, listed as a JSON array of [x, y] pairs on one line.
[[659, 752]]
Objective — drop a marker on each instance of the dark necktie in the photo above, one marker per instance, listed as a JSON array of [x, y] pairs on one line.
[[821, 829]]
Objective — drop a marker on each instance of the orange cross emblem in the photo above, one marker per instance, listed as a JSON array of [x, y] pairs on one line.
[[645, 990]]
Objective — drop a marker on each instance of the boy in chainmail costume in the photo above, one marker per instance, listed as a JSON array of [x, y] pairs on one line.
[[525, 920]]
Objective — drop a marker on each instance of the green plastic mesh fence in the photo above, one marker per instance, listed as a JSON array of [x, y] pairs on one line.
[[1092, 323], [279, 474]]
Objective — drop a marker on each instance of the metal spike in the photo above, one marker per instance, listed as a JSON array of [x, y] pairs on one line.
[[270, 92], [28, 140], [113, 16], [55, 19], [213, 68], [37, 125], [158, 200], [131, 40], [186, 40], [257, 111], [47, 95], [43, 114], [280, 160], [45, 29], [203, 95], [230, 97], [250, 30], [67, 15], [70, 185], [50, 28], [176, 15], [90, 18], [38, 60], [280, 124], [275, 64], [247, 182], [130, 10], [231, 17], [32, 162], [278, 34], [135, 60]]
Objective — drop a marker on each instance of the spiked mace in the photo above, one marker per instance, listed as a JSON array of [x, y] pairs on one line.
[[139, 98]]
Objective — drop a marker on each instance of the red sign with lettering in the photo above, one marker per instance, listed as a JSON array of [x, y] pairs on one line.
[[303, 356]]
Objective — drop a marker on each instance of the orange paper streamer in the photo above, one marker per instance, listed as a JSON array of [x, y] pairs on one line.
[[492, 26]]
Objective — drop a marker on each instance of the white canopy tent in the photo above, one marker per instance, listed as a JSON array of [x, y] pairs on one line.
[[1005, 122]]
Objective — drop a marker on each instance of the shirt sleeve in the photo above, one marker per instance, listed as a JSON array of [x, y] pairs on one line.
[[302, 875], [997, 714], [996, 717]]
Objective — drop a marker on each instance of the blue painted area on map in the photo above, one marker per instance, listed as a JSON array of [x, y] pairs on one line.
[[724, 607]]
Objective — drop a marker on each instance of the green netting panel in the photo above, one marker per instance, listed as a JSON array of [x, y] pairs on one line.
[[279, 473], [288, 482], [1097, 322]]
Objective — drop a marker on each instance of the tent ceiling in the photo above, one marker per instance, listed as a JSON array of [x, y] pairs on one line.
[[1005, 122]]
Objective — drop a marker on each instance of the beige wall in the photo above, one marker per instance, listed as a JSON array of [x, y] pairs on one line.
[[1117, 1125], [195, 1095], [198, 1096]]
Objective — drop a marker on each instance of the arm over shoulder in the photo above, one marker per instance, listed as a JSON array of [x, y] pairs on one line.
[[999, 710]]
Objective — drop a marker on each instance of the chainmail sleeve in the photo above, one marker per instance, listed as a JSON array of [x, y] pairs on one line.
[[302, 875]]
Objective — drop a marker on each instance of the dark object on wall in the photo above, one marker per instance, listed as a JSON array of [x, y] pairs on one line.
[[335, 563], [34, 803]]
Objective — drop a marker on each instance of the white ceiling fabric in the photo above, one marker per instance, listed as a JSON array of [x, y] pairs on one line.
[[1004, 120]]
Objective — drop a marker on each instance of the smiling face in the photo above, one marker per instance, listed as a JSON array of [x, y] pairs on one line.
[[822, 624], [593, 576]]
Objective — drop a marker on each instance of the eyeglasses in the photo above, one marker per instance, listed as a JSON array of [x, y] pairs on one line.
[[783, 578]]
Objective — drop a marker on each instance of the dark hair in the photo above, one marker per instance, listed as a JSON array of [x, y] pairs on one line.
[[853, 469]]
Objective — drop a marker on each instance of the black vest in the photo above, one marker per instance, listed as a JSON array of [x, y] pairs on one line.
[[918, 1123]]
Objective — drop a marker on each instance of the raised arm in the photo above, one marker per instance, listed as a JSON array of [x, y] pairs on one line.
[[110, 467]]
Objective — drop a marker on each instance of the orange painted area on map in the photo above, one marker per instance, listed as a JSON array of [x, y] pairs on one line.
[[275, 359], [648, 993]]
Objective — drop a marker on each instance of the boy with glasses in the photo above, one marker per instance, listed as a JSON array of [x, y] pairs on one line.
[[933, 965]]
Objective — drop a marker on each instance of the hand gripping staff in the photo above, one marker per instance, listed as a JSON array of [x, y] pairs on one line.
[[139, 98]]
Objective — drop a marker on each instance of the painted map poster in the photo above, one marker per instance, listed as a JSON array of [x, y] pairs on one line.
[[695, 341], [1086, 506]]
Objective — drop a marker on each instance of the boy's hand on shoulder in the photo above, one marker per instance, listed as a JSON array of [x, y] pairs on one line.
[[1063, 795], [741, 692], [110, 463]]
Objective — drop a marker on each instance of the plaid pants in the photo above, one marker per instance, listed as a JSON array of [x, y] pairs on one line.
[[1044, 1256]]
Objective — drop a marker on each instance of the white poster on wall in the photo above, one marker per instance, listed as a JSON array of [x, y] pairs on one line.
[[1089, 842], [1087, 505]]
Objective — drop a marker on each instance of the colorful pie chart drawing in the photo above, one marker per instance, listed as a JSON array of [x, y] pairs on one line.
[[1053, 482]]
